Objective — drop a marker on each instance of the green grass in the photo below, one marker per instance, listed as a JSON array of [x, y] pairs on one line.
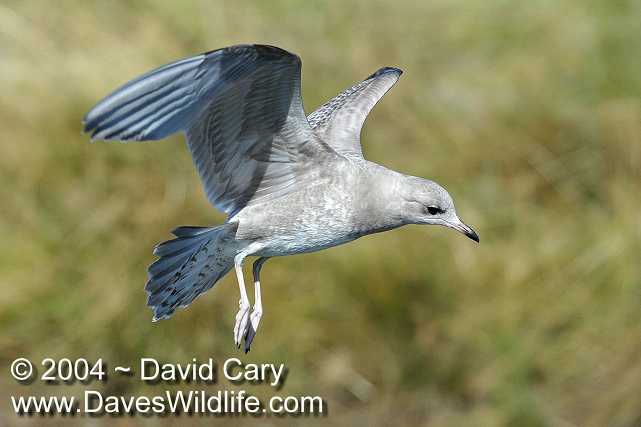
[[530, 115]]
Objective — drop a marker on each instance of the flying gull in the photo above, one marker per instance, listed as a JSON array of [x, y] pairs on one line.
[[289, 183]]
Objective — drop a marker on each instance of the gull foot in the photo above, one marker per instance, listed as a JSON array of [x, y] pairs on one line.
[[242, 317], [254, 320]]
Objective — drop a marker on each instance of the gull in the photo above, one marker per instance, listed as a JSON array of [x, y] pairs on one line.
[[289, 183]]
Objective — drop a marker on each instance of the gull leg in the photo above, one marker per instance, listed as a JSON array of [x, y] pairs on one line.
[[257, 312], [242, 316]]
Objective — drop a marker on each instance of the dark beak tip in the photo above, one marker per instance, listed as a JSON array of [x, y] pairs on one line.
[[472, 234], [465, 229]]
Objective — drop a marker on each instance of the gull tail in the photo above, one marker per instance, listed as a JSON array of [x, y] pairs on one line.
[[188, 265]]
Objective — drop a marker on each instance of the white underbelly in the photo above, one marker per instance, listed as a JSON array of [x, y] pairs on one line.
[[301, 243]]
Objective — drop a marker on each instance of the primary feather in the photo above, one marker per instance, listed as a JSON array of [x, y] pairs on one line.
[[241, 110]]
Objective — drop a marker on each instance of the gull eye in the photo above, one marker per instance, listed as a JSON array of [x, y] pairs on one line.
[[433, 210]]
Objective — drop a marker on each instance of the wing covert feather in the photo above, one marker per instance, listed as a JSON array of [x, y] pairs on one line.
[[339, 121]]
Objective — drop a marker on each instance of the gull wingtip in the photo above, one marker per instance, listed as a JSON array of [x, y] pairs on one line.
[[386, 70]]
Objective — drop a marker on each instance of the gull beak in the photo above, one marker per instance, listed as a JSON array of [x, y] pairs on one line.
[[465, 229]]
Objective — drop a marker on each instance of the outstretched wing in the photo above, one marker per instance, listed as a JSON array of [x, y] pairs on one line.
[[339, 121], [241, 110]]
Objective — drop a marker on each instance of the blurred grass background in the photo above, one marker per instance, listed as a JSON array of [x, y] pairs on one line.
[[528, 112]]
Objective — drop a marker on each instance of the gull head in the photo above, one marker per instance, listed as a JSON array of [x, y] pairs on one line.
[[426, 202]]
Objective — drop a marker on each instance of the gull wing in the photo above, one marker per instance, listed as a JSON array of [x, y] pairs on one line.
[[339, 121], [241, 110]]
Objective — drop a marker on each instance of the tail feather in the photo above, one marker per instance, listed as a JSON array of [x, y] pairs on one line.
[[188, 265], [176, 246], [165, 265]]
